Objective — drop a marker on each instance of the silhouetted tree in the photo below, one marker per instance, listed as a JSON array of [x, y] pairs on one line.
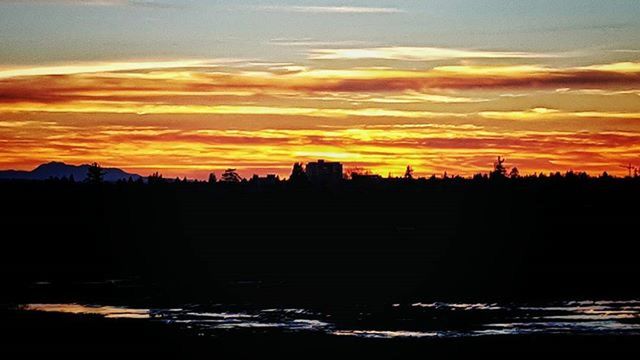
[[212, 178], [155, 178], [515, 173], [499, 170], [231, 176], [408, 174], [479, 177], [356, 171], [570, 175], [95, 174]]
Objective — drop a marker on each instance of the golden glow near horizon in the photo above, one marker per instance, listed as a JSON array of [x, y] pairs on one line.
[[192, 117]]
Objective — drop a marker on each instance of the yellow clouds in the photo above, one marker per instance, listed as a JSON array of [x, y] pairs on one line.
[[190, 117], [431, 148], [9, 72], [553, 114], [508, 71], [415, 54], [144, 109], [625, 67], [194, 87]]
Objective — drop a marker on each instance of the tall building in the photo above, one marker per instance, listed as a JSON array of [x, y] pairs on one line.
[[324, 173]]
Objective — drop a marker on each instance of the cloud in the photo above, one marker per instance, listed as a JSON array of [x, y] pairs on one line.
[[626, 51], [192, 82], [309, 42], [599, 92], [148, 108], [192, 87], [623, 67], [430, 148], [474, 78], [406, 97], [554, 114], [136, 3], [412, 53], [107, 67], [329, 9]]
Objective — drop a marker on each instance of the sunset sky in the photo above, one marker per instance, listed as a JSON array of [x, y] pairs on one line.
[[192, 87]]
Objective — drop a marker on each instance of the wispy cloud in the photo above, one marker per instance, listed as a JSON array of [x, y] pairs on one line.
[[260, 120], [83, 68], [310, 42], [138, 3], [626, 51], [406, 97], [555, 114], [623, 67], [414, 53], [380, 148], [150, 82], [330, 9]]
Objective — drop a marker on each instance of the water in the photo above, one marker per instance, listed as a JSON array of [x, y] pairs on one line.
[[414, 320]]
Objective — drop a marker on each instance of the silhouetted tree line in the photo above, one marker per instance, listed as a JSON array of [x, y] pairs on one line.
[[494, 232], [230, 178]]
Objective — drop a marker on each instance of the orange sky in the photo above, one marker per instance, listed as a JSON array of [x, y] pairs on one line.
[[192, 117]]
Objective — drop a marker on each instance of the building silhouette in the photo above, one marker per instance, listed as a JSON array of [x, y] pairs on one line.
[[268, 180], [324, 172]]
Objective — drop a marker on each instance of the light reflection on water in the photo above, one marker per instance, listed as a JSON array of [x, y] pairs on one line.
[[111, 312], [417, 320], [381, 334]]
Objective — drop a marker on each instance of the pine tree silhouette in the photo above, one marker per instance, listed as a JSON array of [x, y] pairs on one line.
[[95, 174]]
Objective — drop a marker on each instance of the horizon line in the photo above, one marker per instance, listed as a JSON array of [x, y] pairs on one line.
[[347, 173]]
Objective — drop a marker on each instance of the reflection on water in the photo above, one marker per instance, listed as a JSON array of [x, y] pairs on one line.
[[381, 334], [111, 312], [439, 305], [417, 320]]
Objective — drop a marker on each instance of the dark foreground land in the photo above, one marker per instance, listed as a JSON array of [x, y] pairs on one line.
[[461, 239], [52, 334], [374, 244]]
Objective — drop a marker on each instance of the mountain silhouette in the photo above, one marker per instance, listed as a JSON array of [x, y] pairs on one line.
[[59, 170]]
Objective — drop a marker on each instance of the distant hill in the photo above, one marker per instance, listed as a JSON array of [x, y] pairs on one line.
[[60, 170]]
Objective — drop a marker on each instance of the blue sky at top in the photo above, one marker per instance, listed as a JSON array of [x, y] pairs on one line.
[[66, 30]]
